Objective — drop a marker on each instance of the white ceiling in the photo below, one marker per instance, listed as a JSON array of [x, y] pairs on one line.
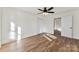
[[56, 9]]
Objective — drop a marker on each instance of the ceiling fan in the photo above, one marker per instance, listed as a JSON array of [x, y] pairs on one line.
[[46, 10]]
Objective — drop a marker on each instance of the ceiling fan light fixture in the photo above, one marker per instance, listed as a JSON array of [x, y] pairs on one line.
[[45, 13]]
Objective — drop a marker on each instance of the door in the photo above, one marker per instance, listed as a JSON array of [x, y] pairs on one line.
[[66, 25]]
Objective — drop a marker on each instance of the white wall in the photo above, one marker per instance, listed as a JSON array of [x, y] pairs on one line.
[[40, 25], [49, 23], [27, 22], [46, 24], [0, 26], [75, 14]]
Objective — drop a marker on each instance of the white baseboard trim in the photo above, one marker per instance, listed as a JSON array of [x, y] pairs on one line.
[[76, 38]]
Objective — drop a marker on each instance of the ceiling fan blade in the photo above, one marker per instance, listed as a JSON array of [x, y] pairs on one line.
[[50, 12], [40, 9], [50, 8]]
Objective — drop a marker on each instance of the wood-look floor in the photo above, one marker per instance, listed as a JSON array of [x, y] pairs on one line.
[[38, 43]]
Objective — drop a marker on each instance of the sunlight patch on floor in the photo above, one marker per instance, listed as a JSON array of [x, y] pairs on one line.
[[51, 36], [47, 37]]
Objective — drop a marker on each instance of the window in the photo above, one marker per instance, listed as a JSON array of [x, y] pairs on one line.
[[12, 30], [19, 33]]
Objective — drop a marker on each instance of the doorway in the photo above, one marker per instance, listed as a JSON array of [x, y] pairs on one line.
[[57, 26]]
